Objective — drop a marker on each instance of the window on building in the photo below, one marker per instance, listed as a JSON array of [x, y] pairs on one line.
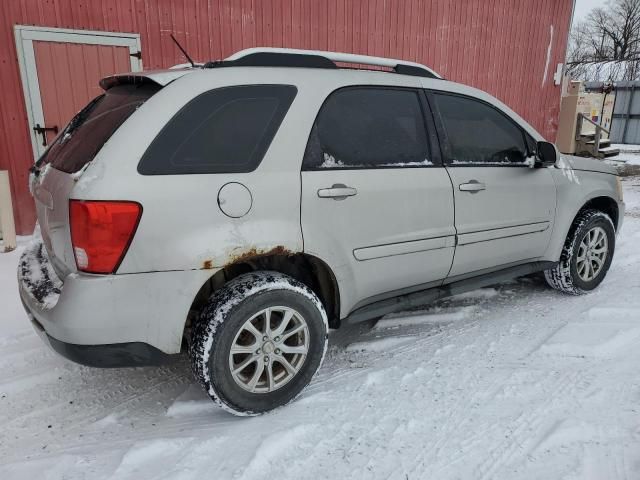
[[365, 127]]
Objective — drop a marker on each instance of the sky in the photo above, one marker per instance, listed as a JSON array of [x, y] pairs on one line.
[[583, 7]]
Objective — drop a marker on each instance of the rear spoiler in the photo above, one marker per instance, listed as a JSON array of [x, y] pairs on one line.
[[157, 77]]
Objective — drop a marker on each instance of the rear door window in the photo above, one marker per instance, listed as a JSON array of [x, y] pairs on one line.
[[369, 127], [227, 130], [89, 130]]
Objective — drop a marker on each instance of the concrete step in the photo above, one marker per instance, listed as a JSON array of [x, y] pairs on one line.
[[609, 152], [603, 143]]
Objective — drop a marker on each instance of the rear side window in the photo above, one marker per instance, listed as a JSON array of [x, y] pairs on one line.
[[368, 127], [478, 133], [227, 130], [89, 130]]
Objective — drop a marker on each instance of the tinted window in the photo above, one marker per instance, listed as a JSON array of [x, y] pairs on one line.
[[478, 133], [89, 130], [227, 130], [367, 128]]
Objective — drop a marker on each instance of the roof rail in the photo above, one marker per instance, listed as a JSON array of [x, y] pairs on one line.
[[266, 56]]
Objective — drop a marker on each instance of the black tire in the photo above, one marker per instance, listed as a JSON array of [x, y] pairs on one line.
[[564, 276], [223, 318]]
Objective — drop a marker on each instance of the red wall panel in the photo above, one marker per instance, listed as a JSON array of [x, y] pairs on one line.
[[74, 71], [497, 45]]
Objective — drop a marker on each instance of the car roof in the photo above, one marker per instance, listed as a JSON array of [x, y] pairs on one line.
[[321, 63], [277, 58]]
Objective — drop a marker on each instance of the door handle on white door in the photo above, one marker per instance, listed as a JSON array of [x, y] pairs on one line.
[[473, 186], [338, 191]]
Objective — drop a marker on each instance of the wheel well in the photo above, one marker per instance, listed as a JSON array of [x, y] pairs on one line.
[[307, 269], [603, 204]]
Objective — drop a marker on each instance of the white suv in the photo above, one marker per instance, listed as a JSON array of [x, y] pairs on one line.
[[242, 208]]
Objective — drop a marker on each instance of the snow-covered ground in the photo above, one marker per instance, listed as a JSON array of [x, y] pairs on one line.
[[512, 382], [629, 154]]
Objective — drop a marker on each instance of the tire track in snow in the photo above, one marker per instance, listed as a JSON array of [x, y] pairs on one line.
[[102, 400], [521, 437]]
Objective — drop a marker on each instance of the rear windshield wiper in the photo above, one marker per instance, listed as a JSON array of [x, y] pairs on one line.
[[80, 117]]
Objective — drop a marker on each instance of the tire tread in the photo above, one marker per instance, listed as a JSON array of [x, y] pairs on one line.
[[560, 277], [221, 303]]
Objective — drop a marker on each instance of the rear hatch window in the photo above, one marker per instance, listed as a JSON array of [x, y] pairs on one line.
[[90, 129]]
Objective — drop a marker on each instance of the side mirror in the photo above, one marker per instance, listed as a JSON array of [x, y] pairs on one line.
[[547, 154]]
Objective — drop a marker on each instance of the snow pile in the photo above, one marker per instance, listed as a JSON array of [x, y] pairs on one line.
[[141, 461], [37, 275], [629, 154], [382, 345], [191, 403], [331, 162], [271, 448], [424, 163], [481, 293], [607, 332], [425, 317]]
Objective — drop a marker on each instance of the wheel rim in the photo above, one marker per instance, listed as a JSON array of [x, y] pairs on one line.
[[269, 349], [592, 254]]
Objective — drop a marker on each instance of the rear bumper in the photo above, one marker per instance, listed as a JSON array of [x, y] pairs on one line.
[[113, 320], [133, 354], [115, 355]]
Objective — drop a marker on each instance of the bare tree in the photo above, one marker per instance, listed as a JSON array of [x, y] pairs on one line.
[[606, 46]]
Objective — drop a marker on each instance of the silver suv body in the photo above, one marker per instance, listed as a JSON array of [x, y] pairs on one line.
[[275, 173]]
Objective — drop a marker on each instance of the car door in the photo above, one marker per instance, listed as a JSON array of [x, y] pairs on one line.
[[377, 205], [504, 208]]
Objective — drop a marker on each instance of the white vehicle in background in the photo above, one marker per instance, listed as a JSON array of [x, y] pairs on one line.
[[241, 209]]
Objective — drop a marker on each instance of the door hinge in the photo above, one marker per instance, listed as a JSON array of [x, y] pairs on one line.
[[137, 55]]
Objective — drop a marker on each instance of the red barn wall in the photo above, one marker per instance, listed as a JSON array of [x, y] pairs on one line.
[[501, 46]]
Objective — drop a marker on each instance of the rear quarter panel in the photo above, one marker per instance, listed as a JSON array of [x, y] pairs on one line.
[[182, 226]]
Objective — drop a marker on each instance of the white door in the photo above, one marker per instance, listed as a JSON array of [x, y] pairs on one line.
[[60, 71], [376, 204], [504, 208]]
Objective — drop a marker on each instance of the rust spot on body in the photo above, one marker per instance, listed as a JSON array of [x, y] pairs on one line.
[[257, 253], [207, 265], [240, 255]]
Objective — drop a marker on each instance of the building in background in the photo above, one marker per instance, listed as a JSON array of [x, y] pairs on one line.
[[52, 52]]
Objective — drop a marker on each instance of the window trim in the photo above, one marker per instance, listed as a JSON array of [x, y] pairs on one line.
[[445, 145], [427, 117], [166, 125]]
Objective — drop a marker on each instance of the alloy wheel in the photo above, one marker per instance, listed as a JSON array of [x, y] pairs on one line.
[[269, 349], [592, 254]]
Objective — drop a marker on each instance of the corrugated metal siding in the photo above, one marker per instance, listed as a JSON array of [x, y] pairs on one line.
[[497, 45], [625, 125]]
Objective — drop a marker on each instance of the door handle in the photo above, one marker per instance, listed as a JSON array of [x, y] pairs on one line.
[[338, 191], [473, 186]]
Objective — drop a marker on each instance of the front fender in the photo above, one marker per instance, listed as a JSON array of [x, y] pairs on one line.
[[575, 188]]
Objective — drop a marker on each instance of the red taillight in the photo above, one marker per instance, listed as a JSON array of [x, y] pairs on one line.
[[101, 232]]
